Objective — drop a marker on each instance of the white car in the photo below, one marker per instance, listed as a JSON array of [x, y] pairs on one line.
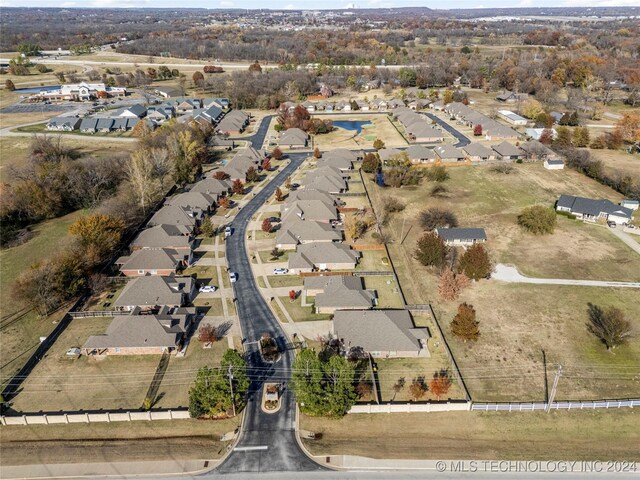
[[233, 277], [280, 271], [207, 289], [227, 232]]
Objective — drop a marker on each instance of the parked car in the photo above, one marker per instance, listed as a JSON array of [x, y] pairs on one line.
[[611, 224], [280, 271], [274, 219], [207, 289], [227, 232], [233, 277]]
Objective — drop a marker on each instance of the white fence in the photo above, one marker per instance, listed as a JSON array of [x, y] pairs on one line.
[[102, 417], [411, 407], [574, 405]]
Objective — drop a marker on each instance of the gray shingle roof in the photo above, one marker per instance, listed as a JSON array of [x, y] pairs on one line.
[[154, 291], [588, 206], [162, 236], [141, 331], [298, 231], [420, 152], [451, 234], [506, 149], [311, 255], [172, 215], [340, 291], [151, 259], [378, 330], [478, 150]]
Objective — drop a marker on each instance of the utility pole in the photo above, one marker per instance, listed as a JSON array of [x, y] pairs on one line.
[[233, 400], [553, 389], [404, 219]]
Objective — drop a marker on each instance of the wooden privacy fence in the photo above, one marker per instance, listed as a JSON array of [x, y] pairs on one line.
[[369, 246], [94, 417], [324, 274]]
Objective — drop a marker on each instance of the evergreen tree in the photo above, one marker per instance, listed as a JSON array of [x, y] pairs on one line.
[[475, 262], [464, 324]]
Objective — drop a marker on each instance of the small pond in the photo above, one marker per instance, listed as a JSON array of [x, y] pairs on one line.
[[353, 125]]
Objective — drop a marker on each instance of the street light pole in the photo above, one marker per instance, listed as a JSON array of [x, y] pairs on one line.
[[233, 401]]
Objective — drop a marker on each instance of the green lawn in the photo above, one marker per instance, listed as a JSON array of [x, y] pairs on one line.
[[302, 314], [21, 327], [386, 289], [285, 281], [210, 306], [265, 256], [373, 261], [207, 275]]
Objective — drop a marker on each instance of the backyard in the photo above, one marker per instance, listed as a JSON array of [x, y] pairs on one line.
[[60, 382], [302, 314]]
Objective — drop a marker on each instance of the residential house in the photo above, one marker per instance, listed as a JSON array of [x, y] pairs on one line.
[[338, 292], [630, 204], [295, 231], [187, 105], [591, 210], [510, 97], [151, 293], [362, 105], [175, 215], [326, 180], [422, 132], [221, 141], [491, 129], [105, 125], [323, 256], [220, 102], [449, 153], [163, 236], [476, 152], [438, 105], [125, 124], [310, 106], [310, 194], [536, 133], [557, 116], [164, 262], [64, 124], [134, 111], [553, 164], [89, 125], [160, 113], [341, 163], [314, 210], [293, 138], [381, 333], [196, 203], [387, 154], [234, 123], [212, 186], [143, 334], [420, 154], [167, 92], [534, 150], [507, 151], [512, 118], [461, 237]]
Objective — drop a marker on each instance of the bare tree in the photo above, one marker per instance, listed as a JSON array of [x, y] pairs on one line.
[[139, 171]]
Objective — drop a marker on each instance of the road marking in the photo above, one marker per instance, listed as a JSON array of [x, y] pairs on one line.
[[248, 449]]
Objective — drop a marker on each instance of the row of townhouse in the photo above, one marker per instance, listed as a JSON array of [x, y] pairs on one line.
[[418, 128], [491, 129], [474, 152], [377, 104], [152, 313]]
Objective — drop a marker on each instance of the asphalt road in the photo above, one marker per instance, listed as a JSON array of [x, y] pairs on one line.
[[462, 139], [267, 441]]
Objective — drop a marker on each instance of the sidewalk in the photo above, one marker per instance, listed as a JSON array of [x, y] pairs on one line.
[[510, 274], [113, 469]]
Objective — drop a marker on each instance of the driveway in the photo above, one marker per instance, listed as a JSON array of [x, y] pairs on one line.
[[510, 274], [626, 238]]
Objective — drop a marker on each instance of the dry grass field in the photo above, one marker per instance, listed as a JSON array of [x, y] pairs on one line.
[[68, 383], [579, 435], [619, 162], [114, 442], [519, 321]]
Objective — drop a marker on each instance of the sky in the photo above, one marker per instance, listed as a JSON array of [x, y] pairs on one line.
[[302, 4]]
